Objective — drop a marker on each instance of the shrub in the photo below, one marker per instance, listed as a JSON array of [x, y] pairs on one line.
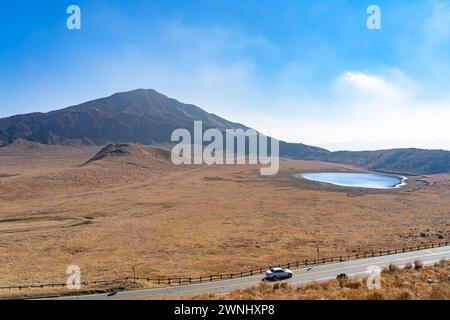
[[342, 279], [418, 264], [341, 276], [354, 284], [441, 263], [408, 266], [284, 285], [393, 268]]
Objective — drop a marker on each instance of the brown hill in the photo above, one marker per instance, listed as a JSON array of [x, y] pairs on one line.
[[23, 156], [44, 167], [25, 147], [118, 164], [145, 157]]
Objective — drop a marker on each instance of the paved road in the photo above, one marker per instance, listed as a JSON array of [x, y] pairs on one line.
[[301, 276]]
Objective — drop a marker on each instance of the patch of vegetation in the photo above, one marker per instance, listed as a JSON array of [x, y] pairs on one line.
[[414, 282]]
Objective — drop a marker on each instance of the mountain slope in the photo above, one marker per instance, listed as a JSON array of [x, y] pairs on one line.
[[133, 154], [407, 161], [140, 116], [148, 117]]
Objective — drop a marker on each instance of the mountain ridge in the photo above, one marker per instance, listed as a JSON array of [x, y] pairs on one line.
[[148, 117]]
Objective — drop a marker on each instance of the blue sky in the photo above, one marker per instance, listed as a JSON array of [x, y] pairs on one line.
[[304, 71]]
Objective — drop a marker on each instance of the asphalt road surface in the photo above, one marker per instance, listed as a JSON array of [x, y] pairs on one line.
[[300, 276]]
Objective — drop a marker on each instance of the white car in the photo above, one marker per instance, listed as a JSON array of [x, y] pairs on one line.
[[278, 273]]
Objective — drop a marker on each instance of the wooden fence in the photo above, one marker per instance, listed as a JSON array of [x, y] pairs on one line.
[[178, 281]]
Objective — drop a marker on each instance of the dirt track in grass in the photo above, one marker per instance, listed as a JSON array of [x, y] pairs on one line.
[[38, 224]]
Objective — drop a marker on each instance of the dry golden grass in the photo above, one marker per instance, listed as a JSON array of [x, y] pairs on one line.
[[195, 220], [431, 282]]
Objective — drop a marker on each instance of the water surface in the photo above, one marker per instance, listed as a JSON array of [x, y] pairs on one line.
[[357, 180]]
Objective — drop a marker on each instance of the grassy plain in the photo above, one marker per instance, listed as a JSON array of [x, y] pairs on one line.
[[147, 216]]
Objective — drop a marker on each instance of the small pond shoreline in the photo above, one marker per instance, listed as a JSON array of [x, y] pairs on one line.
[[367, 180]]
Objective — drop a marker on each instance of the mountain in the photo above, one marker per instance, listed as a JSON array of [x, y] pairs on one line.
[[406, 161], [140, 116], [148, 117]]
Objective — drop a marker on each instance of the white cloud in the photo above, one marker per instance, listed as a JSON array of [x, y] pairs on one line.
[[392, 85], [366, 83], [365, 112]]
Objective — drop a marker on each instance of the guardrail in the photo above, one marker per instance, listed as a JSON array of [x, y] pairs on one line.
[[177, 281]]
